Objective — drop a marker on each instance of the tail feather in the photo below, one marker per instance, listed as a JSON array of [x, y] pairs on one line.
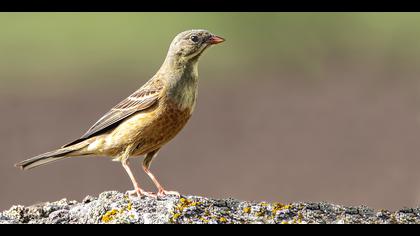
[[48, 157], [43, 159]]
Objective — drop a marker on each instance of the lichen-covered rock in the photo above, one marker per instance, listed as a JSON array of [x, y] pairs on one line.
[[118, 208]]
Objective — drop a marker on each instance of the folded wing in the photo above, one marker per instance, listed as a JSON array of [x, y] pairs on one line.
[[145, 97]]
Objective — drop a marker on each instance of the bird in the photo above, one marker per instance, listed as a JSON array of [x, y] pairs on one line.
[[147, 119]]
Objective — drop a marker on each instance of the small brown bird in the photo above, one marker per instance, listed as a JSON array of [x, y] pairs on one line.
[[149, 118]]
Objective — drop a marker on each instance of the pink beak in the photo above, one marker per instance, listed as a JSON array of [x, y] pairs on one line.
[[214, 39]]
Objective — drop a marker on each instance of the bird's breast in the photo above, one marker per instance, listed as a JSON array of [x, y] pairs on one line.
[[164, 126]]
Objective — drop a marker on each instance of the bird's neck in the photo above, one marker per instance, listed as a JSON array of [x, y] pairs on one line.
[[177, 63], [182, 78], [177, 69]]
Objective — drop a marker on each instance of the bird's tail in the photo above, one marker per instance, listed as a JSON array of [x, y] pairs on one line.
[[50, 157]]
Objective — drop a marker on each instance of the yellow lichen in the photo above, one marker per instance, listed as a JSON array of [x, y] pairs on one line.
[[287, 207], [393, 219], [278, 207], [247, 210], [260, 213], [176, 216], [179, 208], [185, 201], [223, 220], [300, 217], [109, 216], [195, 203], [129, 206]]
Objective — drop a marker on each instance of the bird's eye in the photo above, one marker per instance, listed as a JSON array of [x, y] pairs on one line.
[[194, 38]]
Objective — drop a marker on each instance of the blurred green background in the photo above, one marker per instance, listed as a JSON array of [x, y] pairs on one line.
[[292, 107], [84, 47]]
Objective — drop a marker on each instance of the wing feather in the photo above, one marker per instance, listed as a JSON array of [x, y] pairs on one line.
[[140, 100]]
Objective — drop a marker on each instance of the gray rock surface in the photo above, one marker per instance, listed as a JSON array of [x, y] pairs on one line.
[[118, 208]]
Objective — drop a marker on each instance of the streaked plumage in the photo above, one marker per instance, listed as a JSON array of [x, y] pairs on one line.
[[149, 118], [143, 98]]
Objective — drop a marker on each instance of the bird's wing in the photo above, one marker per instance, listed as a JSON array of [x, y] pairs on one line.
[[140, 100]]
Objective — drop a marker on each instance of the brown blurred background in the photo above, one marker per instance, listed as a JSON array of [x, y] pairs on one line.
[[292, 107]]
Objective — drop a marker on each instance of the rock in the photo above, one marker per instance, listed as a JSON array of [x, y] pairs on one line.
[[118, 208]]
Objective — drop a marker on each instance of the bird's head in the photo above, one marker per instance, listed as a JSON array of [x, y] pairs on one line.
[[189, 45]]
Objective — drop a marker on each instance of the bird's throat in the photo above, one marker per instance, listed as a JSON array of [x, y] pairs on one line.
[[183, 87]]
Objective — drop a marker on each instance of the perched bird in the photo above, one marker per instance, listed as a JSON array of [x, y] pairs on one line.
[[149, 118]]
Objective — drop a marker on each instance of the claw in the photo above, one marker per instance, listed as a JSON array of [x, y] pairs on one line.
[[140, 193], [164, 193]]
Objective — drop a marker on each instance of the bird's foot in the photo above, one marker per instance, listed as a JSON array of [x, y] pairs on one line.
[[140, 192], [164, 193]]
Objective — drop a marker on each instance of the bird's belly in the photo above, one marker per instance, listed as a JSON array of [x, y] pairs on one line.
[[147, 131]]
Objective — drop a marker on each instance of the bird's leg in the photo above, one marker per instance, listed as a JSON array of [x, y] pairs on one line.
[[161, 191], [146, 165], [137, 190]]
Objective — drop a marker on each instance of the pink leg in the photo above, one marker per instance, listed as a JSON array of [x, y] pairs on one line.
[[137, 190], [161, 191], [146, 164]]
